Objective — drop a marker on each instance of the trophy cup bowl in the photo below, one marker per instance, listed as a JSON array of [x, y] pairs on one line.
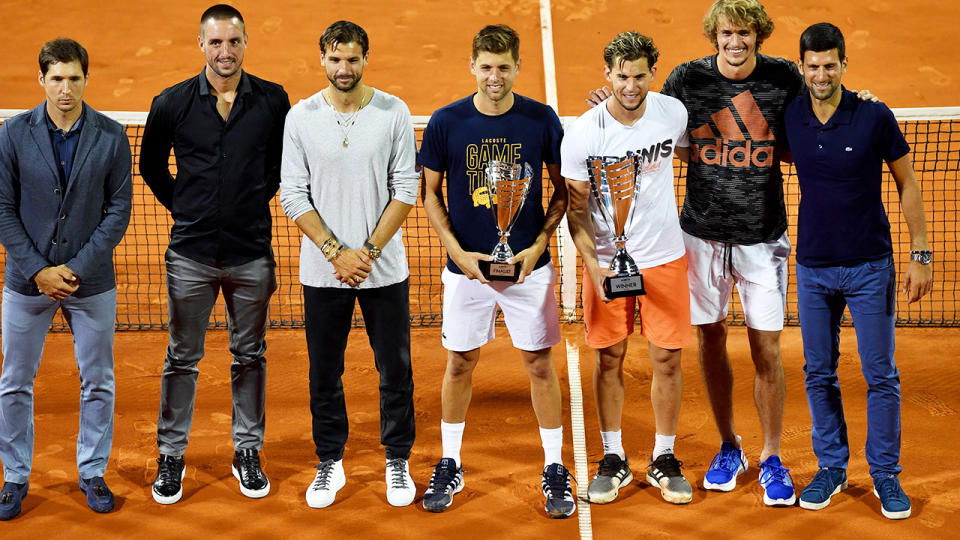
[[507, 186], [613, 183]]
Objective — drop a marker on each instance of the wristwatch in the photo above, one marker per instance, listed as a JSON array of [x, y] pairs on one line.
[[922, 256], [375, 252]]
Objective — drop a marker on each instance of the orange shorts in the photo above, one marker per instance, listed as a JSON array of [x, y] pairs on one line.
[[664, 310]]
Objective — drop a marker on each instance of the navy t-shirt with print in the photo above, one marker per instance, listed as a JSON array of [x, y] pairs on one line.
[[734, 190], [460, 140], [841, 219]]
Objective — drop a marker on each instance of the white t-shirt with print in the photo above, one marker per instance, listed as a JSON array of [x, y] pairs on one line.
[[653, 234]]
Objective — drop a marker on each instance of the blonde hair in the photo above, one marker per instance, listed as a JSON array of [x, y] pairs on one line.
[[745, 13]]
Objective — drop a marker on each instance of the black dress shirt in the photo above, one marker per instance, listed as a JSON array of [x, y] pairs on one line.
[[227, 171]]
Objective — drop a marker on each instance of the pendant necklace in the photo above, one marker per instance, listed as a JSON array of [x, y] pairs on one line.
[[346, 122]]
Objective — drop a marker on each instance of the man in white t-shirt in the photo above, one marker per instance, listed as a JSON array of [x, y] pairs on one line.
[[650, 125]]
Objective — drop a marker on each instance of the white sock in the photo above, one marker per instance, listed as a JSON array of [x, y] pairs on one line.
[[552, 441], [663, 445], [612, 444], [451, 436]]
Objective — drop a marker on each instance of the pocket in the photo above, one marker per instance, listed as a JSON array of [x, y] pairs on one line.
[[880, 264]]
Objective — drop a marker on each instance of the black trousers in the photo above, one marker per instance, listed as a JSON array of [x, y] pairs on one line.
[[386, 313]]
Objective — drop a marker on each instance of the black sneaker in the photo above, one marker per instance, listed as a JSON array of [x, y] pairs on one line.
[[246, 469], [167, 488], [557, 490], [445, 482], [664, 473]]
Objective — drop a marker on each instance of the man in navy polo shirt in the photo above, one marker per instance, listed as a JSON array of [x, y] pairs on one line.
[[845, 259]]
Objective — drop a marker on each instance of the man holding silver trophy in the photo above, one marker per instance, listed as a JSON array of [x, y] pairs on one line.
[[618, 164], [491, 147]]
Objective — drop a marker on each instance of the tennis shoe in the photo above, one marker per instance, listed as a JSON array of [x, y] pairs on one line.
[[612, 474], [726, 466], [777, 483], [556, 488], [665, 473], [445, 482]]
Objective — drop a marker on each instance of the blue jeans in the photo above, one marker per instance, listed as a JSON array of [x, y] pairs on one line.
[[869, 289], [26, 320]]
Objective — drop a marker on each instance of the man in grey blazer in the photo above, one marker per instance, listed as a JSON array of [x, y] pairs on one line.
[[64, 206]]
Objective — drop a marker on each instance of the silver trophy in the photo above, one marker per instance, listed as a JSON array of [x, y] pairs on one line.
[[507, 186], [613, 182]]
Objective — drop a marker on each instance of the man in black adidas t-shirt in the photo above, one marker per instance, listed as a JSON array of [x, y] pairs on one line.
[[734, 224]]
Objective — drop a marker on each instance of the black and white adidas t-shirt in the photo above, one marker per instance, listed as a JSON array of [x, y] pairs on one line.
[[734, 187]]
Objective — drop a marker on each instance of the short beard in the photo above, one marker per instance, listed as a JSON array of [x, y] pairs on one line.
[[352, 85]]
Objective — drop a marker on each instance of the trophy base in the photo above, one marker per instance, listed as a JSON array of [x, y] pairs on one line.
[[495, 271], [621, 286]]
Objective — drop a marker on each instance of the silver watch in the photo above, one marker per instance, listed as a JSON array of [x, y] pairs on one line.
[[922, 256]]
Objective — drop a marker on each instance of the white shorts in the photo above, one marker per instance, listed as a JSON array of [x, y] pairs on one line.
[[758, 270], [529, 310]]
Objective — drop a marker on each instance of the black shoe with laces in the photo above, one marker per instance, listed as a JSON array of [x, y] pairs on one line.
[[557, 490], [613, 474], [167, 488], [246, 469], [445, 482]]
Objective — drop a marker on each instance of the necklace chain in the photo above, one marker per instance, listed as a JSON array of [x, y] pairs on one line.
[[346, 122]]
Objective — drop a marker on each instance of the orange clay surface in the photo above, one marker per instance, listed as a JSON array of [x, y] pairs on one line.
[[903, 52]]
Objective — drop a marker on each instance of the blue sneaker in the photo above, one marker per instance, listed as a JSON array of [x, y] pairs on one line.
[[725, 468], [894, 503], [10, 499], [825, 484], [776, 482], [99, 496]]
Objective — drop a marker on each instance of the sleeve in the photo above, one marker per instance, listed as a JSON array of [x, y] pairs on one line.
[[432, 152], [155, 152], [553, 135], [13, 235], [275, 146], [891, 144], [294, 171], [683, 138], [118, 193], [673, 86], [573, 153], [402, 177]]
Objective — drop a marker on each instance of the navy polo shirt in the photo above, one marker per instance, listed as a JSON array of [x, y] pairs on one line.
[[842, 220], [64, 147]]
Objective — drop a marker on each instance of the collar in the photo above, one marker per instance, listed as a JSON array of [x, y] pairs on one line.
[[842, 116], [243, 87], [74, 129]]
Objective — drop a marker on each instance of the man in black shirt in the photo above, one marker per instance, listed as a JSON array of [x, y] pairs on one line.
[[225, 127]]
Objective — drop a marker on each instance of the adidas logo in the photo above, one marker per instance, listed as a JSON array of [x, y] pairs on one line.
[[731, 147]]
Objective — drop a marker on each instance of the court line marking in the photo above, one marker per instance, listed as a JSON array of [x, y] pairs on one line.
[[579, 440]]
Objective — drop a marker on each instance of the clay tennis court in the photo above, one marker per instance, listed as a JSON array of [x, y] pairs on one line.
[[419, 49]]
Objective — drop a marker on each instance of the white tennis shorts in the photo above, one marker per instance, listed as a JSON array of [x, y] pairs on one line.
[[758, 270], [529, 310]]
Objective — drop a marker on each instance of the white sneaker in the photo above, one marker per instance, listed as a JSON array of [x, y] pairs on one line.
[[326, 484], [400, 487]]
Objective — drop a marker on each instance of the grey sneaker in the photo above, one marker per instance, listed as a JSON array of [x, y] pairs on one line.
[[613, 474], [664, 473]]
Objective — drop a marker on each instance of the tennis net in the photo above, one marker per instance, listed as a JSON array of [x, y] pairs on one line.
[[933, 134]]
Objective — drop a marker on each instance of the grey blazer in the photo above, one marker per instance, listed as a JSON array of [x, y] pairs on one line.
[[42, 225]]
